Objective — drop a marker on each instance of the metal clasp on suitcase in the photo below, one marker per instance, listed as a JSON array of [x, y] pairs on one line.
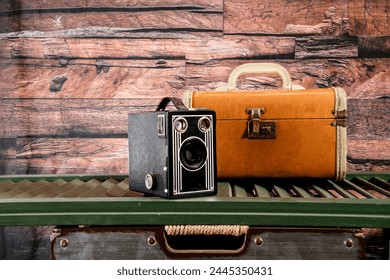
[[258, 129]]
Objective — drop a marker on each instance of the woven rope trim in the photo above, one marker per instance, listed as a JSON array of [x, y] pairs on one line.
[[234, 230]]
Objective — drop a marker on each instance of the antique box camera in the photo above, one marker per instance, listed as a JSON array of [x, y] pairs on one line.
[[172, 153]]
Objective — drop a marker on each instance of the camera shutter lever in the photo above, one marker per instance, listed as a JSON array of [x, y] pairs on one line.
[[176, 101]]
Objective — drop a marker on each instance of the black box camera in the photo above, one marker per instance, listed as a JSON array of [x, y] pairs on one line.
[[172, 153]]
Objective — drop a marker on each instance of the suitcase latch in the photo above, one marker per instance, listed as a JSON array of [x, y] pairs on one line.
[[258, 129]]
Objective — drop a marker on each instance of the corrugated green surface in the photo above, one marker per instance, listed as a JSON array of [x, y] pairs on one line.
[[363, 200]]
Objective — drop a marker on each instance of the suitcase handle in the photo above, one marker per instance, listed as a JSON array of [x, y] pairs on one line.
[[259, 68], [205, 239]]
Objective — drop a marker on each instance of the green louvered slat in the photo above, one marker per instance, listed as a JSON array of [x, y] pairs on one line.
[[300, 191], [224, 189], [359, 189], [23, 188], [57, 204], [340, 190], [116, 189], [130, 193], [6, 186], [75, 192], [281, 192], [103, 188], [380, 182], [240, 191], [371, 185], [368, 175], [41, 188], [262, 191], [59, 190], [322, 192], [119, 189]]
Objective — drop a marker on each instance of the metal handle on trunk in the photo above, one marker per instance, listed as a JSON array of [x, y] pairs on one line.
[[205, 239]]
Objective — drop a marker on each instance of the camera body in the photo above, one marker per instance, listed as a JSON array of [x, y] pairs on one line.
[[172, 154]]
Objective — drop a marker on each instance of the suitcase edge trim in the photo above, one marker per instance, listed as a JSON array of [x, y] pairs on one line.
[[341, 134]]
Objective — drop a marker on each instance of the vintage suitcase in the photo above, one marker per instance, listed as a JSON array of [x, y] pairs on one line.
[[290, 132]]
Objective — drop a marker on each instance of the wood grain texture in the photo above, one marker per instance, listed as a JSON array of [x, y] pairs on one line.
[[11, 167], [378, 150], [137, 18], [369, 155], [326, 47], [374, 46], [117, 32], [69, 117], [137, 23], [91, 78], [7, 148], [65, 165], [71, 155], [368, 118], [199, 49], [107, 148], [361, 78], [20, 5], [309, 17], [47, 19]]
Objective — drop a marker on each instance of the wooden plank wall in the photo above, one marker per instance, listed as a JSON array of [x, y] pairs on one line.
[[71, 71]]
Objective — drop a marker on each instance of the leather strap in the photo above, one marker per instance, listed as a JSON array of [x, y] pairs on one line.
[[176, 101]]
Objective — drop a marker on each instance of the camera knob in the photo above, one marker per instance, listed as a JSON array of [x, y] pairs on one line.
[[150, 181]]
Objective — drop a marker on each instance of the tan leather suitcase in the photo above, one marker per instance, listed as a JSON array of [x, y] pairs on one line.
[[291, 132]]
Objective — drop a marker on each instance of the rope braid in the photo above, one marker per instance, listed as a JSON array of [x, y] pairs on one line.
[[234, 230]]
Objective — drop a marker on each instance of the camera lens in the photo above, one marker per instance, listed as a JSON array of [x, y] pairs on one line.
[[193, 153], [180, 124], [204, 124]]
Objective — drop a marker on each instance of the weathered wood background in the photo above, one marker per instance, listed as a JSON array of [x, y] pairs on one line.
[[71, 71]]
